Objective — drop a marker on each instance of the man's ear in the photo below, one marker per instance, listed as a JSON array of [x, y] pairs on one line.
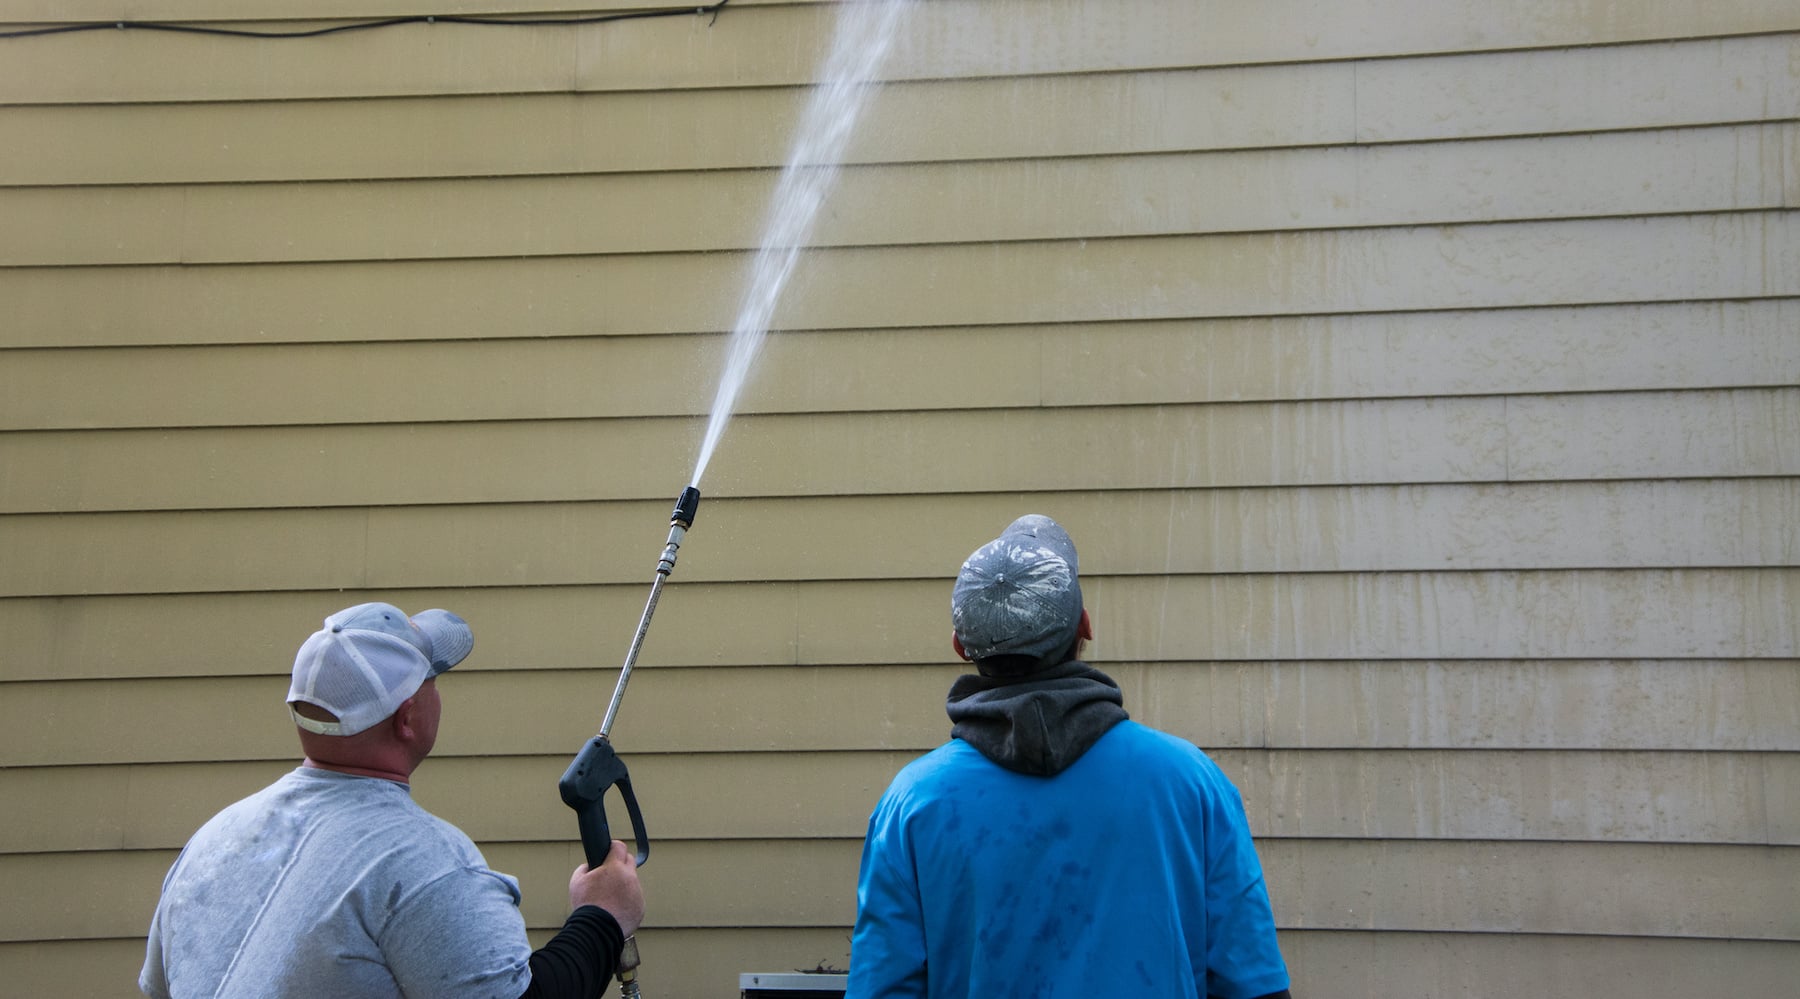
[[402, 721], [1085, 630], [956, 643]]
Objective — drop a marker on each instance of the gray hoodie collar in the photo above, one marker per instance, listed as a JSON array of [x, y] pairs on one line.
[[1036, 724]]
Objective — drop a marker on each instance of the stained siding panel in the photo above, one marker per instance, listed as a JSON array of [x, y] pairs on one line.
[[1458, 794], [78, 11], [1496, 351], [1354, 962], [1724, 705], [1251, 444], [1564, 90], [1730, 168], [1478, 964], [1720, 434], [1589, 89], [779, 44], [1740, 892], [1168, 447], [1660, 797], [1598, 261], [1542, 525], [1674, 346], [557, 133]]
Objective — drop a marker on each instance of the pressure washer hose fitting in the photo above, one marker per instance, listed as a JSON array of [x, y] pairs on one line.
[[687, 506]]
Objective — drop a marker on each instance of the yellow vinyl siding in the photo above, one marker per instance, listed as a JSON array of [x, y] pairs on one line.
[[1483, 886], [1673, 345], [1409, 99], [1438, 183], [1740, 703], [1454, 439], [1620, 524], [1419, 379], [1508, 264], [1704, 795], [779, 44], [1354, 962]]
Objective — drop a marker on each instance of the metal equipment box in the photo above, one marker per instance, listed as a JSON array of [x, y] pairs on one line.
[[792, 985]]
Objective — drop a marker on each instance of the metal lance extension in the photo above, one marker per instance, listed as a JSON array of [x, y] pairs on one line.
[[686, 506], [597, 768]]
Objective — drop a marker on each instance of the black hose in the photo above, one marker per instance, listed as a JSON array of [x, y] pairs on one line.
[[193, 29]]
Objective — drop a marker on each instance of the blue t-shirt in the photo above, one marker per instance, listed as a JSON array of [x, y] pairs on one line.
[[1129, 873], [326, 884]]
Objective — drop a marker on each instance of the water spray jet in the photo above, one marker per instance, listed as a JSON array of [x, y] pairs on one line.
[[860, 44]]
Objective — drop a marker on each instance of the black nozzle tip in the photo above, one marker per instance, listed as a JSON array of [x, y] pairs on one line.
[[687, 505]]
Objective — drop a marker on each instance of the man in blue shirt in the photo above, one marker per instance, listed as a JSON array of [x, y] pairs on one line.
[[1053, 847]]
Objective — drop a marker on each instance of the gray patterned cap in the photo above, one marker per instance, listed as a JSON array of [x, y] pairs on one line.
[[1019, 595]]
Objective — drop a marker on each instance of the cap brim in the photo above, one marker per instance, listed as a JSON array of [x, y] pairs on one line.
[[450, 637]]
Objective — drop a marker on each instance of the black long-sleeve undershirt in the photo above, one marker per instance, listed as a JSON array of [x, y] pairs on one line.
[[578, 962]]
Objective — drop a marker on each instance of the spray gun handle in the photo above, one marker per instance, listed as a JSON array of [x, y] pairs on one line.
[[595, 769]]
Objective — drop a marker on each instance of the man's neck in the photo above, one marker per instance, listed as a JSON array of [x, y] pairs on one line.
[[338, 768]]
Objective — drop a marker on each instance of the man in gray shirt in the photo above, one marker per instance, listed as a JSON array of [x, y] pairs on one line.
[[333, 882]]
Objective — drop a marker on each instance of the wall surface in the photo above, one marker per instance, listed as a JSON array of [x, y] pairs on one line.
[[1419, 378]]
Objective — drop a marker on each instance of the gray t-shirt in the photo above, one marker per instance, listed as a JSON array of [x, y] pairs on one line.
[[326, 884]]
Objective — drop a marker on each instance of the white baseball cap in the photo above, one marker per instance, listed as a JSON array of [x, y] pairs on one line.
[[369, 659]]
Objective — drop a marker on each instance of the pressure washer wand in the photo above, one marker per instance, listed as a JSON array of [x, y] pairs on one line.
[[597, 767], [686, 506]]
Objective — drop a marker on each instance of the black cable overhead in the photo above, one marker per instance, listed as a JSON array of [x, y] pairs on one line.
[[193, 29]]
